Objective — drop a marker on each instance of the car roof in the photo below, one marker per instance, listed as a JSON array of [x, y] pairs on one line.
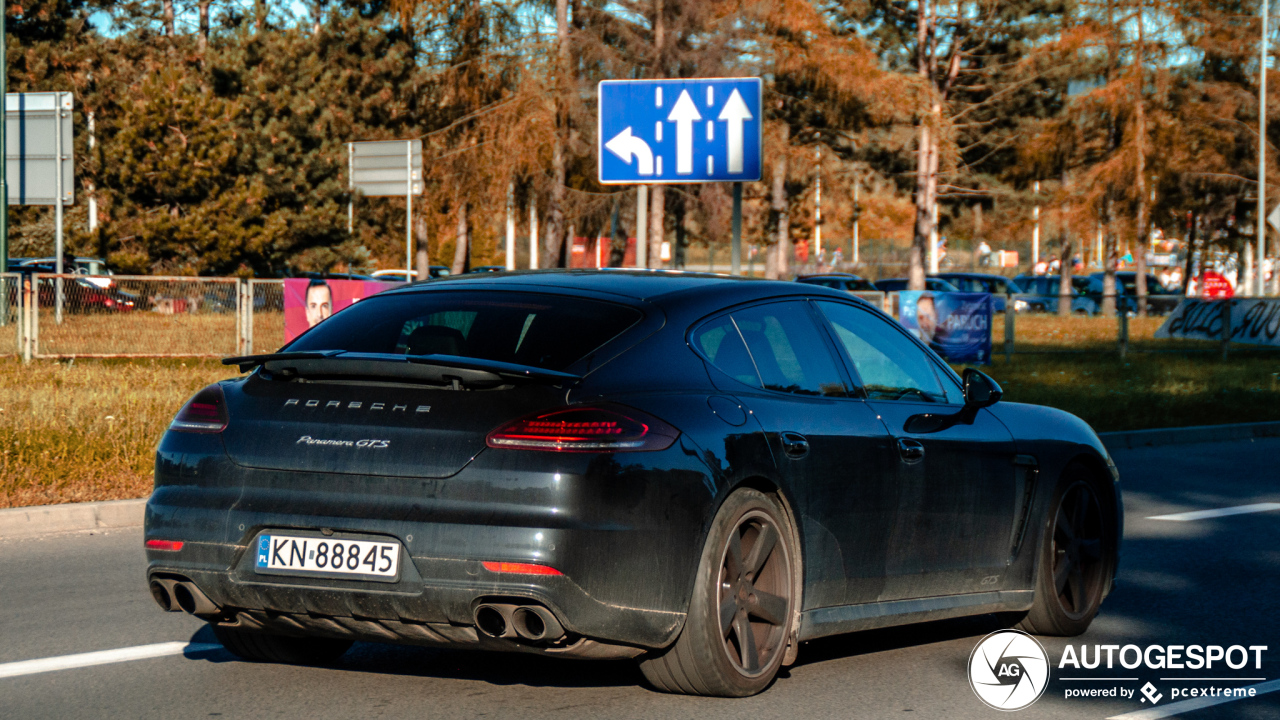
[[658, 286], [830, 275]]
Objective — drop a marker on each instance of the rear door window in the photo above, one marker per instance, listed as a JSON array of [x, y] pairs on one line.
[[775, 346]]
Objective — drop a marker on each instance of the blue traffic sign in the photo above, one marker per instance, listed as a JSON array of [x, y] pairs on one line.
[[680, 131]]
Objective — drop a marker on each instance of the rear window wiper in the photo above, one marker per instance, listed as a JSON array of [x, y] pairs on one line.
[[435, 369]]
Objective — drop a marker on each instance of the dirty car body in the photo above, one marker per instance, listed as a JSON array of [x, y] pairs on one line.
[[415, 424]]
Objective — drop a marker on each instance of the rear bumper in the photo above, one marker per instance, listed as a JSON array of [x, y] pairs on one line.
[[626, 538]]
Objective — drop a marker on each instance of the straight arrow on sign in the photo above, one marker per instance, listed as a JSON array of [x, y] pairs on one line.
[[684, 115], [735, 113]]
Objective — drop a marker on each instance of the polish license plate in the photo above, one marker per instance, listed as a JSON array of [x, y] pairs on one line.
[[328, 557]]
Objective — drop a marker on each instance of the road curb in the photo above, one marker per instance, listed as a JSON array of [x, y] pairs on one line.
[[1183, 435], [70, 517]]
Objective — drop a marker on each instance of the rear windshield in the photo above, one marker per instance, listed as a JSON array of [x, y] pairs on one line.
[[544, 331]]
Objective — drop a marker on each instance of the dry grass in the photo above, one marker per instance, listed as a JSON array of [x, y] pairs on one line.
[[87, 430]]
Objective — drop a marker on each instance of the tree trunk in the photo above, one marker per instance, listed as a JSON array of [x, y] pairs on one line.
[[781, 255], [203, 37], [1140, 128], [553, 245], [460, 250], [1193, 223], [924, 150], [1065, 291], [1110, 257], [422, 259], [168, 18]]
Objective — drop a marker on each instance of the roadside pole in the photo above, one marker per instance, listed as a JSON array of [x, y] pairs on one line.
[[351, 189], [511, 226], [4, 162], [408, 210], [735, 252], [1009, 320], [1035, 231], [1257, 277], [533, 234], [1122, 342], [57, 205], [642, 226], [1226, 327]]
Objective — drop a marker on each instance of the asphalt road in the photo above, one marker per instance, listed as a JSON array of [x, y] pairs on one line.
[[1208, 582]]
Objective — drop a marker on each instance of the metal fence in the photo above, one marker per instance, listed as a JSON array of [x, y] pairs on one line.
[[63, 316], [11, 322]]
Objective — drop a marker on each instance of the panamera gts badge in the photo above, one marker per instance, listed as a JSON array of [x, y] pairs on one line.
[[354, 405], [374, 444]]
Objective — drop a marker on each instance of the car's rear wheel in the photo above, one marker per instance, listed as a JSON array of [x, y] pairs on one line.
[[262, 647], [736, 634], [1077, 558]]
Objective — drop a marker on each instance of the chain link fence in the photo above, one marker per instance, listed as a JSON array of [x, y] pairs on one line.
[[120, 316], [63, 316], [11, 322]]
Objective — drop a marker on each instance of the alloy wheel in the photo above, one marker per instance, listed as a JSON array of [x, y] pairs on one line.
[[1078, 566], [754, 594]]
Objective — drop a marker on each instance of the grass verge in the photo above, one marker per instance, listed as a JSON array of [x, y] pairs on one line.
[[87, 429]]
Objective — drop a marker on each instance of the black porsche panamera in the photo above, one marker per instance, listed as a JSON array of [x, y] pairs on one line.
[[695, 471]]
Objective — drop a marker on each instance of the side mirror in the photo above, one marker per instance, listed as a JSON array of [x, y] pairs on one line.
[[980, 390]]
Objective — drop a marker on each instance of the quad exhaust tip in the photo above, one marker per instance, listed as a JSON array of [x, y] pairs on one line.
[[532, 623]]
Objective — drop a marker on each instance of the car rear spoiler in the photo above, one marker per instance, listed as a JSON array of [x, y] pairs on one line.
[[429, 368]]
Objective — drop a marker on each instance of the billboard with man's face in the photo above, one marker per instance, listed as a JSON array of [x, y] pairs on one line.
[[956, 325], [308, 302]]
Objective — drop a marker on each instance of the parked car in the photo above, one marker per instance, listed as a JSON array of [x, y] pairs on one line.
[[436, 271], [1041, 294], [1160, 299], [840, 281], [932, 284], [698, 473], [999, 286], [332, 276], [488, 269], [85, 293]]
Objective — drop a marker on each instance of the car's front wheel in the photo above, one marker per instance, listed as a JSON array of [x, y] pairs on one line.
[[1077, 558], [736, 634], [262, 647]]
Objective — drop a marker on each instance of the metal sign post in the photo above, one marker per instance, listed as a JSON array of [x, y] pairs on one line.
[[387, 169], [681, 131], [41, 125]]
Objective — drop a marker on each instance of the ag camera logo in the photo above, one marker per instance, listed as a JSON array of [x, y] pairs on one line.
[[1008, 670]]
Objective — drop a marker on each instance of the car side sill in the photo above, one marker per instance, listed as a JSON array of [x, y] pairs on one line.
[[822, 622]]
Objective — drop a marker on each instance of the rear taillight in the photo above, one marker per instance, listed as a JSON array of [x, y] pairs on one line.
[[594, 428], [204, 413]]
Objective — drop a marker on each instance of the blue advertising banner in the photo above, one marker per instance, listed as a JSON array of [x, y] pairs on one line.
[[956, 325]]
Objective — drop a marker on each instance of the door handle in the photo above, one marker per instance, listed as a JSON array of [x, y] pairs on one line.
[[910, 450], [794, 445]]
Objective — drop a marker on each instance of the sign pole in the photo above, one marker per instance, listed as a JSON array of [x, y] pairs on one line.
[[4, 122], [1262, 154], [351, 190], [736, 249], [57, 203], [408, 209], [642, 226]]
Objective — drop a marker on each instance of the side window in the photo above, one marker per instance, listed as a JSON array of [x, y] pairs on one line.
[[720, 343], [891, 366], [788, 350]]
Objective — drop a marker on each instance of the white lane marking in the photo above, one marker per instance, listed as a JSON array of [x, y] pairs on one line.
[[1220, 512], [1185, 706], [102, 657]]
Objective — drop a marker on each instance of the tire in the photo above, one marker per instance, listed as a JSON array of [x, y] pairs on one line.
[[1077, 558], [745, 588], [262, 647]]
